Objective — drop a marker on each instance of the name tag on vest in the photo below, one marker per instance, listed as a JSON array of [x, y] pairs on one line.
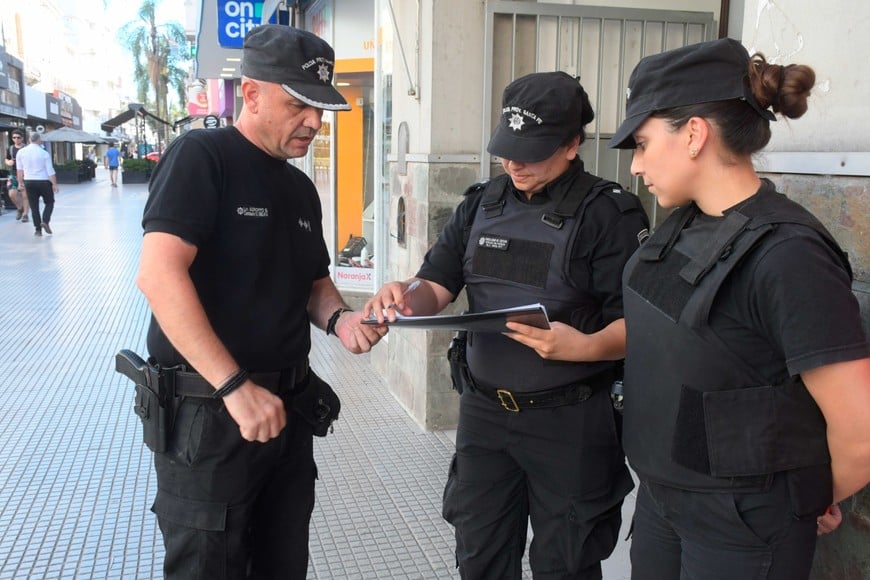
[[493, 243]]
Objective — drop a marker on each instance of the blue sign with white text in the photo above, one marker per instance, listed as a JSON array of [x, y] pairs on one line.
[[236, 18]]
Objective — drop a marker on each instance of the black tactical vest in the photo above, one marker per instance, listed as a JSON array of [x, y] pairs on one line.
[[696, 415], [519, 254]]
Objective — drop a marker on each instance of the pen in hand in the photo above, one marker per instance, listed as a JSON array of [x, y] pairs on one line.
[[411, 287]]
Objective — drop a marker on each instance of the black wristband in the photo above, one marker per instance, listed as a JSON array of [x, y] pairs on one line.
[[236, 380], [333, 320]]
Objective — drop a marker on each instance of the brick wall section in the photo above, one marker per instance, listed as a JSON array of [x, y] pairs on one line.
[[843, 205]]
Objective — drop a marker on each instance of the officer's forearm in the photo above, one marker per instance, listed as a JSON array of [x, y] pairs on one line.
[[851, 471], [609, 342], [183, 320], [165, 281], [323, 302], [842, 392], [428, 298]]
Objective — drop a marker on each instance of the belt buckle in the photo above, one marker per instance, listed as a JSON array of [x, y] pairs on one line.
[[506, 398]]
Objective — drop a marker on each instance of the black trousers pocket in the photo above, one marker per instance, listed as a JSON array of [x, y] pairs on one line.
[[198, 541]]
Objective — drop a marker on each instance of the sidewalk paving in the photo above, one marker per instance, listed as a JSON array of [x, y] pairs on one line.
[[76, 482]]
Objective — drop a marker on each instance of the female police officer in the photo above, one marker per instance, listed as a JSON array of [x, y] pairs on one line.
[[747, 380], [537, 439]]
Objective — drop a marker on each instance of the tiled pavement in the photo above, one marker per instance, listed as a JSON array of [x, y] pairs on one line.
[[75, 480]]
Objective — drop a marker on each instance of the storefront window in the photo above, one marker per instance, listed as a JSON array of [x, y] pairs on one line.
[[322, 172], [342, 160]]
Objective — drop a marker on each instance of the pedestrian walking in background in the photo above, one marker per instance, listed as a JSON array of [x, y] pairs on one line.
[[235, 269], [112, 160], [36, 172], [747, 381], [17, 192], [537, 439]]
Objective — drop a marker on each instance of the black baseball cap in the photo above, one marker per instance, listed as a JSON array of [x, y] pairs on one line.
[[540, 111], [298, 60], [706, 72]]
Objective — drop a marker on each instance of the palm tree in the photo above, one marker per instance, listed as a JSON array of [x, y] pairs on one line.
[[159, 54]]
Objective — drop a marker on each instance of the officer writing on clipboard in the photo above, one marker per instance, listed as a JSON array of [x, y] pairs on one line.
[[537, 438]]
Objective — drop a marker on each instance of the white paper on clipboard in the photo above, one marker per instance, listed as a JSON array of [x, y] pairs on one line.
[[488, 321]]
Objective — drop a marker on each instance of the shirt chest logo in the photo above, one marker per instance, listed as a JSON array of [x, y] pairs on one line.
[[259, 212]]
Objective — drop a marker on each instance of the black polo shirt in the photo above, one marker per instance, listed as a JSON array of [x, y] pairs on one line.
[[256, 223]]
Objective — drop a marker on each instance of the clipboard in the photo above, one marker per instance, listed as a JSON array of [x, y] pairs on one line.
[[488, 321]]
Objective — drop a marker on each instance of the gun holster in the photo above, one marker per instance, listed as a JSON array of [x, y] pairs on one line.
[[460, 376], [317, 404], [154, 397]]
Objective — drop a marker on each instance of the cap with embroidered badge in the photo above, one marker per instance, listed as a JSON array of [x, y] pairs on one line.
[[540, 111], [717, 70], [298, 60]]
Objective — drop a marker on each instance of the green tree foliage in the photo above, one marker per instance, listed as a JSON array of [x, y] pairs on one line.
[[160, 53]]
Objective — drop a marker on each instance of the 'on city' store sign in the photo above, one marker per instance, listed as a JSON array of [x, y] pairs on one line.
[[235, 19]]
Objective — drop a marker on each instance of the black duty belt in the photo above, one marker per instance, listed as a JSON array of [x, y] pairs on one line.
[[557, 397], [189, 384]]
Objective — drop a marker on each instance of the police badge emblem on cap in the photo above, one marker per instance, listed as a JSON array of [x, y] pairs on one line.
[[298, 60], [540, 111]]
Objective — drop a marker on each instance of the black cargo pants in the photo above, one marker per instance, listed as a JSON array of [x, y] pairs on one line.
[[562, 467], [688, 535], [230, 508]]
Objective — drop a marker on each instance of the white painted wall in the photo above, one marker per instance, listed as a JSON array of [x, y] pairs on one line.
[[457, 70], [832, 38], [354, 22]]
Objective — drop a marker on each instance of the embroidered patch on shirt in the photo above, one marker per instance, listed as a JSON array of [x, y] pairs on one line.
[[493, 242], [253, 211]]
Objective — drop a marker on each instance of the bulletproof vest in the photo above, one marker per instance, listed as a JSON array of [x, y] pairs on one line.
[[517, 254], [696, 415]]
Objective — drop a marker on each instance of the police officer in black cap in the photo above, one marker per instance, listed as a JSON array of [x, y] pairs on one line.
[[537, 437], [235, 270], [747, 379]]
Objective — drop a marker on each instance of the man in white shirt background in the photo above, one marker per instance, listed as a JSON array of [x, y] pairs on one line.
[[36, 172]]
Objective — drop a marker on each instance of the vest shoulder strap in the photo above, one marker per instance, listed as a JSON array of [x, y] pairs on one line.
[[476, 193], [657, 247], [491, 197], [740, 232], [775, 208], [582, 186]]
